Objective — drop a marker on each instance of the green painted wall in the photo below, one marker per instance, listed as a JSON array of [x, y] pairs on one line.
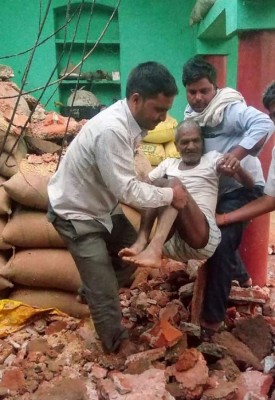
[[256, 14], [148, 30], [19, 28], [218, 32], [157, 30]]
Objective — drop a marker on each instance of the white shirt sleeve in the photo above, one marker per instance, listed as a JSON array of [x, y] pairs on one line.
[[115, 160]]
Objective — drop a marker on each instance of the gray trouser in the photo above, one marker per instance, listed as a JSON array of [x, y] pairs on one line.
[[102, 272]]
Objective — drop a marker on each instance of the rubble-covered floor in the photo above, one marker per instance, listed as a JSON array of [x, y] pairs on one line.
[[59, 358]]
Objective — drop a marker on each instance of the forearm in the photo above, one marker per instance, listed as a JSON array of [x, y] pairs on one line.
[[245, 178], [251, 210], [239, 152]]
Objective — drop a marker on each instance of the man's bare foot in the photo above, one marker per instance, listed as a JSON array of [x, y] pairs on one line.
[[127, 252], [136, 248], [127, 348], [148, 258]]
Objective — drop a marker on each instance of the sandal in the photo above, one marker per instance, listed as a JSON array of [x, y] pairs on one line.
[[207, 334], [247, 284]]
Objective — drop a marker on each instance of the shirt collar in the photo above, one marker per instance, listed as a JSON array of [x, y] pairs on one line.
[[135, 129]]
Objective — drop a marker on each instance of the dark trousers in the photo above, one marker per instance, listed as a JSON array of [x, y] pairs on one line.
[[226, 264], [102, 272]]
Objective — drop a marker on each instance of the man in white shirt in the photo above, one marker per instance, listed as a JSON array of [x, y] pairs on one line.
[[95, 174]]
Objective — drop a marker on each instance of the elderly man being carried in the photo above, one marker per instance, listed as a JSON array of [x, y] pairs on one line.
[[190, 231]]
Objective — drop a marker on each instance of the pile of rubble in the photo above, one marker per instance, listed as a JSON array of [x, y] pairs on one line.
[[54, 356], [26, 127], [59, 357]]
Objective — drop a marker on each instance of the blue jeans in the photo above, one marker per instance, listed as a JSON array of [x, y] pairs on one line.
[[226, 264]]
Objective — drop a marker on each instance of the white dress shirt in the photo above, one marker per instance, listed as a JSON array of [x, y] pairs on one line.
[[97, 170]]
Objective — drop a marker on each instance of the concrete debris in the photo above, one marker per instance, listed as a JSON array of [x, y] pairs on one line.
[[59, 357]]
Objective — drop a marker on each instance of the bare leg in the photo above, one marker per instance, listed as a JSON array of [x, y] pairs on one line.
[[147, 220], [189, 221], [191, 225], [150, 257]]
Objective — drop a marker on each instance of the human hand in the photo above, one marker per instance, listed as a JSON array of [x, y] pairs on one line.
[[221, 219], [228, 164], [180, 197]]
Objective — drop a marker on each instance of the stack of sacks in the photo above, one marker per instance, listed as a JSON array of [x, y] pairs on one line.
[[31, 252], [41, 269], [5, 253], [34, 264], [159, 143]]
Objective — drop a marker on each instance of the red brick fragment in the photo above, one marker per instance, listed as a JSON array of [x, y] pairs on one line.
[[163, 334]]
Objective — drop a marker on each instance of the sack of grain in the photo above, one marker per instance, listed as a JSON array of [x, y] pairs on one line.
[[63, 301], [154, 152], [31, 229], [171, 150], [3, 244], [49, 268], [11, 143], [200, 10], [5, 202], [4, 283], [9, 163], [28, 189], [163, 132], [43, 168]]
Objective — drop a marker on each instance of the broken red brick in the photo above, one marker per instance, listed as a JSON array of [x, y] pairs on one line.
[[253, 295], [162, 334], [13, 379], [192, 381], [253, 381], [187, 360]]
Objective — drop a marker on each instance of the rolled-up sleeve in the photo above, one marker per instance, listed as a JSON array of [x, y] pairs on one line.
[[255, 124], [115, 159], [270, 183]]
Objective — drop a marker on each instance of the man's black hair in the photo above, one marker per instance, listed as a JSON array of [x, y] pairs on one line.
[[269, 96], [197, 68], [150, 79]]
